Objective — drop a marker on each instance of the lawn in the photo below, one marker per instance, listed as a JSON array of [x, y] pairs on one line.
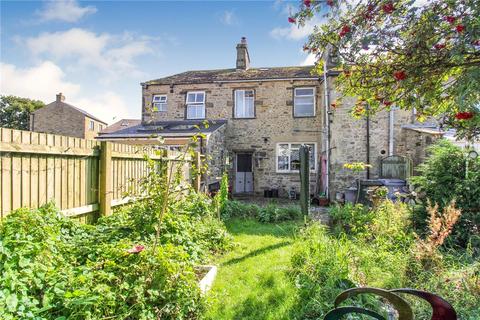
[[252, 280]]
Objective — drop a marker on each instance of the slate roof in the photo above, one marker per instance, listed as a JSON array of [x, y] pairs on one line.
[[226, 75], [177, 128]]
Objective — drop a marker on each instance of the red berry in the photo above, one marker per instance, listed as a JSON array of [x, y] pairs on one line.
[[464, 115], [460, 28], [330, 3], [344, 31], [399, 75], [450, 19], [440, 46], [291, 20], [388, 8], [307, 3], [306, 48], [387, 103]]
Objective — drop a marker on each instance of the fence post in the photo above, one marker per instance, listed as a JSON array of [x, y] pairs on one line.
[[198, 175], [106, 195]]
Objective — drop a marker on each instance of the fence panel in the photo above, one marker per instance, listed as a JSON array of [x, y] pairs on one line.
[[81, 176]]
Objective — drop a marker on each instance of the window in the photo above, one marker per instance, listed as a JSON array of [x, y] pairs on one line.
[[196, 105], [92, 125], [244, 104], [288, 156], [304, 102], [159, 103], [100, 127]]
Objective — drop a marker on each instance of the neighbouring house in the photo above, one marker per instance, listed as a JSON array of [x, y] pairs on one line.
[[62, 118], [259, 117]]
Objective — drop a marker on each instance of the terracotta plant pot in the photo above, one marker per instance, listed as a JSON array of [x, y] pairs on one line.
[[323, 202]]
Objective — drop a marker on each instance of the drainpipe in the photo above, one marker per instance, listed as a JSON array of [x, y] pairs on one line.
[[368, 140], [327, 127], [390, 132]]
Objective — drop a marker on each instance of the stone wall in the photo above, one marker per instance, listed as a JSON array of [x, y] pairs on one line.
[[349, 141], [414, 143], [58, 119], [216, 153]]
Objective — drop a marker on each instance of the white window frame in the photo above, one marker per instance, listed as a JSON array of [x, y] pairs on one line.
[[314, 94], [195, 104], [290, 148], [91, 126], [161, 106], [235, 114]]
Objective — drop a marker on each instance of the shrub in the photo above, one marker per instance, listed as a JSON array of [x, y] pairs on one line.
[[53, 268], [442, 179], [350, 219], [270, 213]]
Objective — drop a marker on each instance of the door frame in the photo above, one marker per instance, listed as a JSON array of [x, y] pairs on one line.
[[236, 171]]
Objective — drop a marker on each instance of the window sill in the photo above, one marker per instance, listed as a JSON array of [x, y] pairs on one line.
[[304, 116], [246, 118], [294, 172]]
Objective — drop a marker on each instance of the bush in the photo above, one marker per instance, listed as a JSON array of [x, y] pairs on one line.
[[382, 253], [270, 213], [442, 179], [53, 268]]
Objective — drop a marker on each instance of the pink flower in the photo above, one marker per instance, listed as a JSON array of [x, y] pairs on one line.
[[136, 249], [291, 20]]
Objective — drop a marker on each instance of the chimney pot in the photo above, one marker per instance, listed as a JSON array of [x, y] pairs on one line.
[[60, 97], [243, 58]]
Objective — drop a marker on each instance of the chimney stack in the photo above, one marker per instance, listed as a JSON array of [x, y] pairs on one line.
[[60, 97], [243, 58]]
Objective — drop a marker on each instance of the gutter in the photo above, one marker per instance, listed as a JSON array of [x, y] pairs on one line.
[[327, 129]]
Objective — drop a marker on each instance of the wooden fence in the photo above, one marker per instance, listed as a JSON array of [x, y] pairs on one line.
[[81, 176]]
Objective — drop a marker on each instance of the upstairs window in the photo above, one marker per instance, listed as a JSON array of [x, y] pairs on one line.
[[196, 105], [288, 157], [244, 104], [159, 103], [92, 125], [100, 127], [304, 102]]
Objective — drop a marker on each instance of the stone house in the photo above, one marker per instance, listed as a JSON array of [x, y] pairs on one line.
[[62, 118], [258, 118]]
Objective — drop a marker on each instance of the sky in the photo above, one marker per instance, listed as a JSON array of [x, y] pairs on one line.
[[98, 52]]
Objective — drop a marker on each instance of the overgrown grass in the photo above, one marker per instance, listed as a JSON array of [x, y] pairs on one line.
[[252, 282]]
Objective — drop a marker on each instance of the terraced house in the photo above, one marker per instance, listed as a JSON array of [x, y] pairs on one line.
[[258, 118]]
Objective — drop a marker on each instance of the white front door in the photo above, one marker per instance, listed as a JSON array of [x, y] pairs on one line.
[[244, 174]]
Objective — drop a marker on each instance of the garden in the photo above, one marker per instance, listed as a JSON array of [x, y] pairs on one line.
[[142, 262]]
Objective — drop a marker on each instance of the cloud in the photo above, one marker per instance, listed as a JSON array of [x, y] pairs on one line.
[[41, 82], [228, 18], [44, 81], [295, 32], [309, 60], [114, 55], [64, 10]]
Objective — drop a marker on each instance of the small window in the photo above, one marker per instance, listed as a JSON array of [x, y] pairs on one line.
[[304, 102], [244, 104], [159, 103], [195, 105], [288, 157], [100, 127], [92, 125]]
